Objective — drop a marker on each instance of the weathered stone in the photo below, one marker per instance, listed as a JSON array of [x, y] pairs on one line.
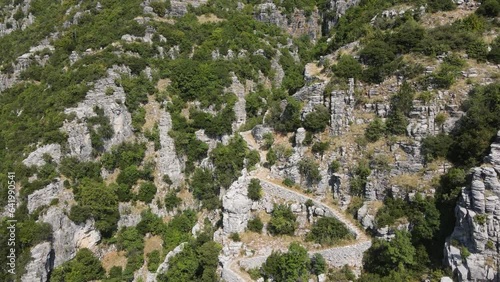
[[168, 161], [36, 157], [41, 263], [236, 206], [44, 197]]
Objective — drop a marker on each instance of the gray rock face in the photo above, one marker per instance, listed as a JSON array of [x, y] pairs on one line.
[[80, 144], [341, 108], [297, 24], [114, 108], [127, 217], [36, 157], [168, 163], [259, 131], [477, 226], [42, 259], [494, 156], [179, 7], [68, 237], [239, 107], [311, 96], [236, 206], [44, 196]]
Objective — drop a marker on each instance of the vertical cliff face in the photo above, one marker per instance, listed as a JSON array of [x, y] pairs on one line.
[[472, 250]]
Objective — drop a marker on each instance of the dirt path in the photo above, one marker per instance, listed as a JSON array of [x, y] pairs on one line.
[[362, 243]]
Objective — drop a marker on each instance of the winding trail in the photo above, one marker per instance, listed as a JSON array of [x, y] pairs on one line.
[[336, 256]]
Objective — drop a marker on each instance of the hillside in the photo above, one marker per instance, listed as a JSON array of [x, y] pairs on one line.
[[221, 140]]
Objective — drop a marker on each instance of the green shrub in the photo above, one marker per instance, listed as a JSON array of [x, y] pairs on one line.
[[334, 166], [255, 225], [318, 264], [489, 8], [98, 201], [271, 157], [205, 188], [317, 120], [254, 190], [347, 67], [282, 221], [288, 182], [84, 267], [320, 147], [172, 201], [290, 266], [481, 219], [309, 169], [253, 158], [375, 130], [153, 260], [328, 231], [147, 192], [235, 237]]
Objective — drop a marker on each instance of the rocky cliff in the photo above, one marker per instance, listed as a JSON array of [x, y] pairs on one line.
[[472, 249]]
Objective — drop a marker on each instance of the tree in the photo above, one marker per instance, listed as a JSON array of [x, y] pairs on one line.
[[282, 221], [317, 120], [328, 231], [320, 147], [347, 67], [147, 192], [84, 267], [229, 160], [98, 201], [375, 130], [494, 54], [489, 8], [436, 146], [289, 120], [309, 169], [383, 257], [288, 267], [205, 189], [172, 201], [318, 264], [255, 224], [254, 190]]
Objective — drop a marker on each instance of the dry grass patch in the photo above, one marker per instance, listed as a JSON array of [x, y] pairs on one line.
[[430, 20], [114, 259], [209, 18], [153, 243], [162, 84], [408, 182]]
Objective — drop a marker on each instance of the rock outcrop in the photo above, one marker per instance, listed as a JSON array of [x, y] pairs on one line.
[[168, 161], [42, 262], [44, 197], [114, 108], [68, 237], [36, 157], [472, 249], [341, 108], [236, 206]]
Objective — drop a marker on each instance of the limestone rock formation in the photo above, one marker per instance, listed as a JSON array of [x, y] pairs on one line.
[[114, 108], [42, 260], [168, 162], [37, 157], [44, 196], [236, 206], [68, 237], [477, 225], [341, 108]]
